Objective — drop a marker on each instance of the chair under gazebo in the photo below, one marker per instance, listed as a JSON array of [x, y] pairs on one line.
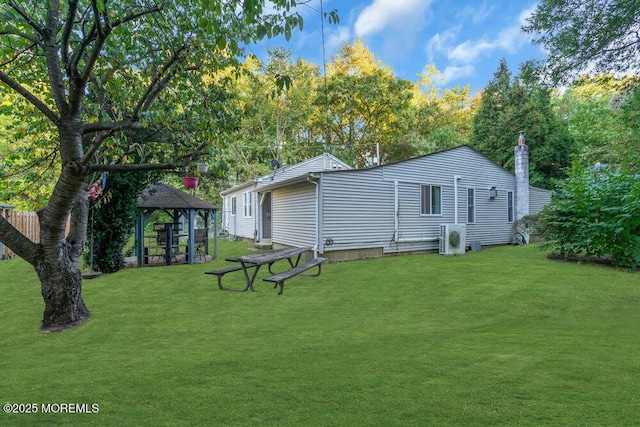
[[182, 208]]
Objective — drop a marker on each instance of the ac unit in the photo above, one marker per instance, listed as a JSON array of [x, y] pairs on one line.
[[452, 239]]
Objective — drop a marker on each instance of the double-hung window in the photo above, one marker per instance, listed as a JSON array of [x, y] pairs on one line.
[[430, 200], [471, 205], [247, 203], [233, 206], [510, 206]]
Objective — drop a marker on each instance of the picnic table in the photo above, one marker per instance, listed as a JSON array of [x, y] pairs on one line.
[[255, 261]]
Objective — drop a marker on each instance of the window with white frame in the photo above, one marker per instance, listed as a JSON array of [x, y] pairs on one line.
[[471, 205], [233, 206], [430, 200], [510, 206], [247, 203]]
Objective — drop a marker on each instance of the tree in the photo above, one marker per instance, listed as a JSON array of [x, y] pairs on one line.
[[361, 106], [276, 125], [599, 113], [95, 68], [507, 107], [584, 36], [438, 118]]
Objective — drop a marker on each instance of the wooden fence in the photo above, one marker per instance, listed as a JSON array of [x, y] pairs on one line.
[[27, 223]]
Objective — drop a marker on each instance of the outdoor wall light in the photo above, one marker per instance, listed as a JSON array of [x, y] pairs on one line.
[[493, 193]]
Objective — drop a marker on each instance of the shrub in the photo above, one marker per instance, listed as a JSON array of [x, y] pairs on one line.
[[114, 219], [596, 213]]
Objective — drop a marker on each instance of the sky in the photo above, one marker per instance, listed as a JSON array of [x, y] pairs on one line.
[[465, 40]]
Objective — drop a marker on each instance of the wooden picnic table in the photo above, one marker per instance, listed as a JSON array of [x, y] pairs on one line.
[[255, 261]]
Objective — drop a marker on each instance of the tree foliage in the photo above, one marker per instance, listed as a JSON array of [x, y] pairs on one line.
[[508, 106], [583, 36], [601, 115], [360, 107], [596, 213]]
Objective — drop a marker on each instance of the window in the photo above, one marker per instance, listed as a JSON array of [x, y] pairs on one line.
[[233, 205], [430, 200], [247, 203], [471, 205], [510, 206]]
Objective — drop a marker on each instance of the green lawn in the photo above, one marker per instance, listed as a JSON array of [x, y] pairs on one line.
[[500, 336]]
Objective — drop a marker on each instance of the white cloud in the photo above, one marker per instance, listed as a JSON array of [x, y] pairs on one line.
[[454, 73], [476, 13], [509, 40], [337, 38], [440, 42], [382, 14]]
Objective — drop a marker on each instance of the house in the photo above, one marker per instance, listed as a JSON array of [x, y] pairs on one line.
[[448, 201]]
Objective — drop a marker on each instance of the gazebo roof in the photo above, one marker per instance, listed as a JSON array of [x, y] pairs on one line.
[[164, 196]]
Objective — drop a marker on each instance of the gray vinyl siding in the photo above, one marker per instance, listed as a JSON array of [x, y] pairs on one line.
[[477, 172], [238, 224], [357, 210], [538, 198], [294, 215], [358, 206]]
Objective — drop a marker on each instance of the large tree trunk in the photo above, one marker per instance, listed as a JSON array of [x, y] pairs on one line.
[[61, 287], [57, 263]]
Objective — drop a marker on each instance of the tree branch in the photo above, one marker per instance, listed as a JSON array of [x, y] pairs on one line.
[[18, 242], [66, 33], [134, 167], [21, 90], [103, 131], [33, 24], [50, 47], [159, 82]]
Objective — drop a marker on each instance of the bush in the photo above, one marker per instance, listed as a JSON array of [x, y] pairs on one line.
[[114, 218], [596, 213]]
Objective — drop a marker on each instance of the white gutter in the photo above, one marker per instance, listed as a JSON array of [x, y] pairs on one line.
[[316, 246], [456, 178]]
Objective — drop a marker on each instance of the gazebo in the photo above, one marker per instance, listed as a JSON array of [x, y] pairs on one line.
[[181, 207]]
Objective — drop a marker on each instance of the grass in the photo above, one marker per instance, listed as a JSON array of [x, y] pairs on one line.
[[500, 336]]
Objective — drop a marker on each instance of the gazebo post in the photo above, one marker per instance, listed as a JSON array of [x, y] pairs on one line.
[[215, 234], [139, 239], [192, 233]]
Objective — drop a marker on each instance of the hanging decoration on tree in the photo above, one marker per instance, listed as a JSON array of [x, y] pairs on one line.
[[95, 190]]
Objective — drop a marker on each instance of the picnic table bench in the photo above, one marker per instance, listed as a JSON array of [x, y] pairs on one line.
[[255, 261]]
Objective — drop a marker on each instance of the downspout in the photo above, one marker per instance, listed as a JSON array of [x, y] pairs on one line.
[[317, 231], [396, 213], [259, 218], [456, 178], [255, 209]]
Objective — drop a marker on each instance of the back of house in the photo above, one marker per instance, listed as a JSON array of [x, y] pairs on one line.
[[407, 206]]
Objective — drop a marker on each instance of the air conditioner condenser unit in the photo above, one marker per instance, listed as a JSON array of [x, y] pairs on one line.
[[452, 239]]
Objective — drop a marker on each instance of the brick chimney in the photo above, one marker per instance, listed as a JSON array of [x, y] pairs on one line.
[[522, 177]]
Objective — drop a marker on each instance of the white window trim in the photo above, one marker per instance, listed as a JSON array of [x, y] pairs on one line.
[[247, 205], [474, 205], [511, 207], [233, 205], [431, 190]]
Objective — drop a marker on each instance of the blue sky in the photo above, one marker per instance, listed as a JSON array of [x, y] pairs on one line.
[[464, 39]]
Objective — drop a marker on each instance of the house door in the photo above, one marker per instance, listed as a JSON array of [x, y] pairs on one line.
[[266, 216]]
